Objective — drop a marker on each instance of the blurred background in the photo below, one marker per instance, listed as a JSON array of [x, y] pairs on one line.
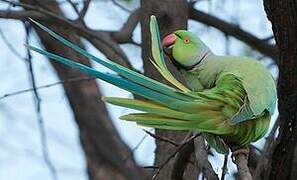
[[53, 124]]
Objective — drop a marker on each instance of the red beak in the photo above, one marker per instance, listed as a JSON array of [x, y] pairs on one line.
[[168, 40], [167, 43]]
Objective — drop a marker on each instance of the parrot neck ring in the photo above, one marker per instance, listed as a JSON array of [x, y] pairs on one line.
[[201, 58]]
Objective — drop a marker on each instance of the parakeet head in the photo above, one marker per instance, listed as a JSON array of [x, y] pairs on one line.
[[185, 49]]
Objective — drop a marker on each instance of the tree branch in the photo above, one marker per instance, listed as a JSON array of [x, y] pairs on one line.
[[103, 147], [202, 159], [100, 39], [179, 148], [21, 15], [182, 160], [10, 46], [258, 44], [121, 6], [42, 131], [241, 161], [72, 80], [162, 138], [124, 35], [85, 8], [225, 167], [263, 166]]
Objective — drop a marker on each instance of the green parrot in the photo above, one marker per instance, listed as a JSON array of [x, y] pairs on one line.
[[230, 99]]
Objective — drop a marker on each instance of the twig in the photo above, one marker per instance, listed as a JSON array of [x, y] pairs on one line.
[[98, 35], [174, 153], [126, 31], [10, 46], [225, 167], [37, 99], [74, 6], [135, 148], [84, 9], [121, 6], [162, 138], [105, 41], [79, 14], [72, 80]]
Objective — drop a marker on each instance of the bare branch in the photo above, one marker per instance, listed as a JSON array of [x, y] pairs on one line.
[[21, 15], [104, 41], [37, 99], [80, 15], [163, 164], [85, 8], [225, 168], [182, 161], [121, 6], [106, 44], [268, 148], [202, 159], [162, 138], [10, 46], [72, 80], [233, 30], [74, 6], [125, 34], [135, 148]]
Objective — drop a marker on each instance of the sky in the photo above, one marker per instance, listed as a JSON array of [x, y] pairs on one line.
[[20, 146]]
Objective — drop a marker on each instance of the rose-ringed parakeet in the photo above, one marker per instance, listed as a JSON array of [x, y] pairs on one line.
[[230, 99]]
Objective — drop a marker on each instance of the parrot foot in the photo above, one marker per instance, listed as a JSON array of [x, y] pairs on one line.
[[240, 151]]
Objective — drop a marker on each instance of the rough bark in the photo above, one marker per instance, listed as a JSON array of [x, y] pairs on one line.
[[105, 152], [171, 15], [283, 16]]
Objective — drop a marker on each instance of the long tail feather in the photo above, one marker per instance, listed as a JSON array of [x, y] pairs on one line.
[[113, 79], [143, 105], [121, 70], [157, 121]]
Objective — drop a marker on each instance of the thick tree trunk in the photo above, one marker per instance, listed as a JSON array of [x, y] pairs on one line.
[[283, 16], [171, 15], [105, 151]]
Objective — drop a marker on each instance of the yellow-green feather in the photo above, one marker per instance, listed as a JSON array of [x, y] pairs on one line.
[[159, 57]]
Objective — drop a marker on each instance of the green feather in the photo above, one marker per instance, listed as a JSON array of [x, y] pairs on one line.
[[159, 57], [113, 79], [121, 70], [225, 105], [157, 121]]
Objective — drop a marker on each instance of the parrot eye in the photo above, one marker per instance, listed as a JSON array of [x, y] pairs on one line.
[[186, 40]]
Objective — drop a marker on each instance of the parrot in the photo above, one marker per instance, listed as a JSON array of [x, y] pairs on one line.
[[230, 99]]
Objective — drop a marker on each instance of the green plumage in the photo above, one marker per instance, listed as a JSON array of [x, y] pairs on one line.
[[230, 99]]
